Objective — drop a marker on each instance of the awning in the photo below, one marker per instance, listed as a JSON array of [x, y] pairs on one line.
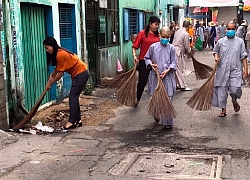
[[213, 3]]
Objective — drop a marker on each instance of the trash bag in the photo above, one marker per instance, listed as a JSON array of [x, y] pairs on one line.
[[198, 44]]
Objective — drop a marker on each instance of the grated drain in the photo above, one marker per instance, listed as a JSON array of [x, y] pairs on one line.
[[166, 166]]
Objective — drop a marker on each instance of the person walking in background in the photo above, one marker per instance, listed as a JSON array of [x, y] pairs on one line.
[[191, 35], [232, 66], [241, 31], [222, 30], [163, 56], [173, 29], [182, 46], [247, 40], [237, 25], [212, 34], [201, 34], [217, 34], [144, 39], [66, 61]]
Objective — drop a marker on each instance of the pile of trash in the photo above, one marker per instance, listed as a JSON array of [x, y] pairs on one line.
[[37, 129]]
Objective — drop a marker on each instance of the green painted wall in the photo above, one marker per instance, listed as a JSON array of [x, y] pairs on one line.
[[164, 16], [126, 46], [13, 45]]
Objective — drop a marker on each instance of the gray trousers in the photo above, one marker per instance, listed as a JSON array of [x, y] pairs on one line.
[[78, 83], [220, 95]]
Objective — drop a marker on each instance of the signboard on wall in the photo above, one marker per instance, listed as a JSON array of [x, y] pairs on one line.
[[213, 3], [103, 3]]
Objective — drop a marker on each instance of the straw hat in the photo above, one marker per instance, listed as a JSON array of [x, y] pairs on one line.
[[244, 23], [212, 23]]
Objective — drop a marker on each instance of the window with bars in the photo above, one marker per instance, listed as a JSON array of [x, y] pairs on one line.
[[133, 22], [108, 23], [65, 22]]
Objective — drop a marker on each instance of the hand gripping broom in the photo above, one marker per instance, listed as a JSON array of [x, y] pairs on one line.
[[126, 92], [202, 99], [31, 114], [160, 105]]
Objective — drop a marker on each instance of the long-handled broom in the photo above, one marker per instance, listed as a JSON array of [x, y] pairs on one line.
[[160, 105], [202, 99], [32, 112], [202, 71], [118, 80], [126, 93]]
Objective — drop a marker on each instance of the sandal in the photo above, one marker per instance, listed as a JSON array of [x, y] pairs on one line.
[[64, 128], [222, 114], [236, 107], [79, 123], [168, 127]]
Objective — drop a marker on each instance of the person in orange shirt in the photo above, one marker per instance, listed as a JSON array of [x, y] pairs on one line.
[[66, 61], [191, 34]]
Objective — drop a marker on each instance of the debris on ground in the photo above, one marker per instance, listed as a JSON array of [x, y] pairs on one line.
[[95, 110]]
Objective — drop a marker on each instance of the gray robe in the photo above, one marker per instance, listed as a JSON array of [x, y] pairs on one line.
[[182, 46], [164, 57], [229, 74]]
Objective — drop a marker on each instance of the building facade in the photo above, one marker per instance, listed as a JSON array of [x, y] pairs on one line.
[[26, 24]]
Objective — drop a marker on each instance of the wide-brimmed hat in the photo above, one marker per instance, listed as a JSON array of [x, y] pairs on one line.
[[244, 23], [212, 23]]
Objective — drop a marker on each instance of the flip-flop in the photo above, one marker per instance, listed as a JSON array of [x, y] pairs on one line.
[[168, 127], [236, 107], [222, 114]]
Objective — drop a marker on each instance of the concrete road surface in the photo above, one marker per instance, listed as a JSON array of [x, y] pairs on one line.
[[130, 146]]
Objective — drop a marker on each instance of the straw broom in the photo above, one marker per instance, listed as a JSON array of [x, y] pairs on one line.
[[119, 79], [160, 105], [202, 99], [126, 93], [202, 71], [31, 114]]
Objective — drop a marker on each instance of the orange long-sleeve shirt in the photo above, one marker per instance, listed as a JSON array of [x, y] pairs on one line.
[[69, 63]]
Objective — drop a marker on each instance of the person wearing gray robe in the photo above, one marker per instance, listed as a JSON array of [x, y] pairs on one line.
[[230, 55], [182, 46], [164, 57]]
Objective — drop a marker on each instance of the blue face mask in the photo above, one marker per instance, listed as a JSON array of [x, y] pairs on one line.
[[164, 41], [230, 33]]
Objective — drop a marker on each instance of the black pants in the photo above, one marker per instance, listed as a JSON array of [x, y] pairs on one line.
[[78, 83], [143, 78]]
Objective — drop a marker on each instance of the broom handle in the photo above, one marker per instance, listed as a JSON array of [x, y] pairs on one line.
[[134, 69], [155, 68]]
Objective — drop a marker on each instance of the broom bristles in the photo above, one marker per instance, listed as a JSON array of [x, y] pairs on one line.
[[202, 71], [32, 112], [160, 105], [126, 93], [118, 80], [202, 99]]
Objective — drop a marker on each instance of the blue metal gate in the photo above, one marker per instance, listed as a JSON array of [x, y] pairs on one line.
[[68, 39]]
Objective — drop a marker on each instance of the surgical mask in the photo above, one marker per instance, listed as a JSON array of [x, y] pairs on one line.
[[164, 41], [230, 33]]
